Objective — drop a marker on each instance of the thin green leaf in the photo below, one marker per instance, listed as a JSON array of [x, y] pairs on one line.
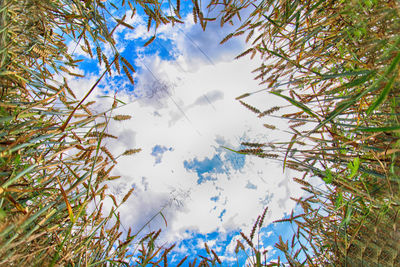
[[298, 104], [382, 96], [19, 175]]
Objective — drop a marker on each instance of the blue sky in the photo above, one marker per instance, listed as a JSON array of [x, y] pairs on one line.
[[184, 113]]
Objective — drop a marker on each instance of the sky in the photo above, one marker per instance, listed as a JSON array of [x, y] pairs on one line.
[[184, 115]]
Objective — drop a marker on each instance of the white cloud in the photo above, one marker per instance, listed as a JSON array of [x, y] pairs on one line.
[[193, 134], [188, 104]]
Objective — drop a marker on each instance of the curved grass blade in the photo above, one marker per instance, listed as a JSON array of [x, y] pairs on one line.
[[298, 104], [383, 95]]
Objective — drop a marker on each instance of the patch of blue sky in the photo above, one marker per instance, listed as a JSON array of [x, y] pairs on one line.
[[161, 46], [250, 185], [222, 214], [266, 240], [268, 237], [205, 168], [237, 160], [90, 66], [158, 152], [286, 230], [215, 199], [195, 247]]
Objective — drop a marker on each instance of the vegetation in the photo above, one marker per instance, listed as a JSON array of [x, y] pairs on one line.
[[53, 161], [336, 61]]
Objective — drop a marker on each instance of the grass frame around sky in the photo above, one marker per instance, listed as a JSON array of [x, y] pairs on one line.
[[343, 73]]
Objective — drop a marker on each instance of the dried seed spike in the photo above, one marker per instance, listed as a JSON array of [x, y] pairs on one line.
[[90, 103], [149, 23], [196, 6], [238, 33], [253, 230], [127, 195], [89, 50], [178, 8], [302, 182], [207, 248], [249, 35], [150, 41], [131, 151], [297, 124], [98, 50], [229, 36], [64, 69], [216, 256], [117, 66], [247, 240], [113, 199], [39, 51], [106, 63], [101, 125], [269, 126], [123, 23], [132, 8], [253, 109], [98, 134], [74, 136], [115, 102], [128, 74], [87, 110], [244, 53], [260, 223], [240, 245], [122, 117], [181, 261], [76, 74], [178, 15], [194, 16], [269, 111], [108, 153], [242, 96], [110, 178], [251, 150], [252, 144], [126, 62], [293, 243], [68, 89], [267, 155], [237, 247], [253, 55]]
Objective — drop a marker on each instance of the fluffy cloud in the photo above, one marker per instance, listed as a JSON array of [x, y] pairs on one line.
[[184, 113], [196, 136]]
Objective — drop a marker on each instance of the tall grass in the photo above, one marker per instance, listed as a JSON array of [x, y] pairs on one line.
[[53, 161], [337, 62]]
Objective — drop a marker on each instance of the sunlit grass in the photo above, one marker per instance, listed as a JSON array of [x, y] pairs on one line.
[[337, 62]]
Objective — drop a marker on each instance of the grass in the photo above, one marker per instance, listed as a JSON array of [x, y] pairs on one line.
[[340, 70], [336, 62], [53, 161]]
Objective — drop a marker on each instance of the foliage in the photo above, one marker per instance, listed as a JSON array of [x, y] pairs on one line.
[[53, 160], [337, 62]]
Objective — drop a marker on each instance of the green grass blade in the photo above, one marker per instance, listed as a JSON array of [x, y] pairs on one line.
[[298, 104], [383, 95], [19, 175], [380, 129]]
